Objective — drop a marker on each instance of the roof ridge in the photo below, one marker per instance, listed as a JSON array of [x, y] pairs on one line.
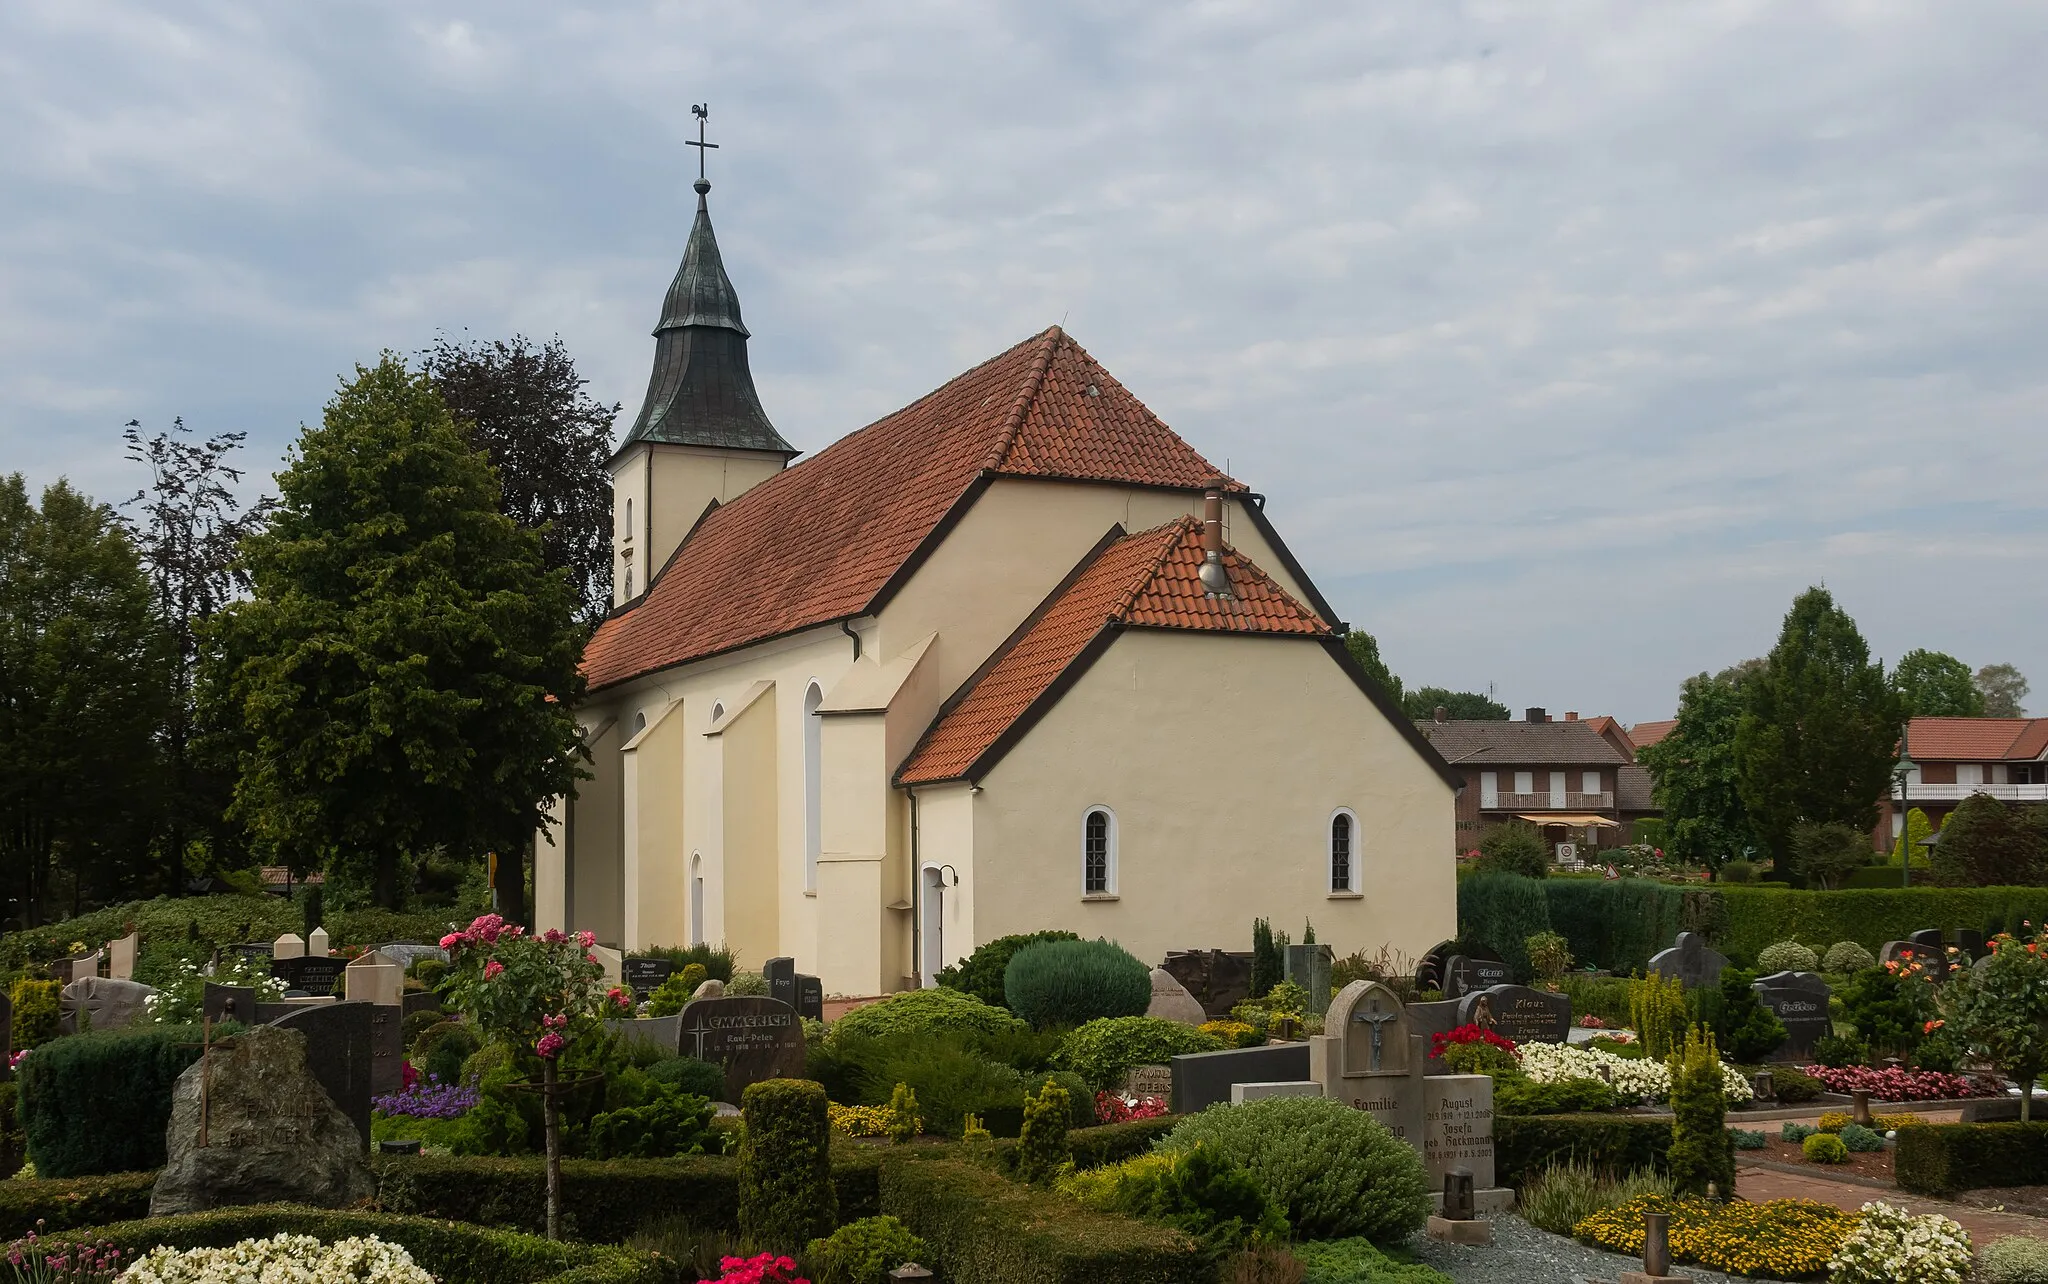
[[1177, 530], [1020, 409]]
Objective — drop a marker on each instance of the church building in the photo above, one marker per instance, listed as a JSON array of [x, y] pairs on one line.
[[1014, 657]]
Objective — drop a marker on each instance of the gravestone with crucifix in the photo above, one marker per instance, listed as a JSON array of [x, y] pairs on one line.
[[644, 976], [1367, 1058], [1691, 960]]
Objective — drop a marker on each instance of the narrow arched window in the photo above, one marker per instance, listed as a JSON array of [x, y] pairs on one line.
[[814, 783], [1098, 852], [1343, 852]]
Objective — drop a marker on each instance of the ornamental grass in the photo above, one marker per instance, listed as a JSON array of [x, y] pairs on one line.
[[1780, 1238]]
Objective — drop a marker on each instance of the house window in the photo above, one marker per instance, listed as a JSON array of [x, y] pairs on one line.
[[1525, 782], [1591, 783], [1489, 789], [717, 711], [1098, 852], [1343, 851], [814, 784], [1969, 773]]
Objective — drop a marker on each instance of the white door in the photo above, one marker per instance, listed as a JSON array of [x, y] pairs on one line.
[[1489, 789], [932, 926], [1557, 790]]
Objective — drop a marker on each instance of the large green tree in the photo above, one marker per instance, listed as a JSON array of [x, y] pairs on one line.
[[1698, 785], [1932, 684], [2004, 689], [1819, 729], [405, 666], [1423, 702], [82, 670], [1365, 649]]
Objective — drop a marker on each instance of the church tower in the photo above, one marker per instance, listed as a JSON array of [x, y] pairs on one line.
[[701, 435]]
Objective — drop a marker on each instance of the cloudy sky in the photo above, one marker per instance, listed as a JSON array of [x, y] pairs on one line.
[[1569, 340]]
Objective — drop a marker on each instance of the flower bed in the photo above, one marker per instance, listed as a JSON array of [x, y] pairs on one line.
[[1891, 1083], [1634, 1078], [1116, 1108], [1892, 1245], [429, 1099], [280, 1257], [1780, 1238]]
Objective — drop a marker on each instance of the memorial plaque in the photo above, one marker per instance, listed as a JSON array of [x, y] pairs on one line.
[[750, 1038], [1202, 1079], [780, 973], [338, 1053], [1519, 1013], [810, 997], [254, 949], [1691, 960], [309, 975], [1800, 1000], [644, 976], [1457, 1127], [1468, 974], [1147, 1081], [1308, 966]]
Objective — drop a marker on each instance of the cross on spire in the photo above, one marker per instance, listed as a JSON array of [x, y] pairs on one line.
[[702, 111]]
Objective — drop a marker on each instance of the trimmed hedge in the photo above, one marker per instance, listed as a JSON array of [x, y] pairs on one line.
[[66, 1203], [453, 1254], [603, 1202], [986, 1228], [1762, 916], [1939, 1159], [786, 1195], [100, 1102], [1523, 1146]]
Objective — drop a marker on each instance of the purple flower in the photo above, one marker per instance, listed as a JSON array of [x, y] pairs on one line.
[[429, 1099]]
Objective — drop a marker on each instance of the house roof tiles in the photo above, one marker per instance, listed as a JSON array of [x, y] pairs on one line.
[[1645, 734], [1977, 739], [1470, 743]]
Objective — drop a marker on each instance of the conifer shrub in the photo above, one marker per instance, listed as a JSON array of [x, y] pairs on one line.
[[786, 1193], [981, 973], [1657, 1010], [1860, 1140], [864, 1251], [1070, 983], [1825, 1148], [1514, 848], [904, 1123], [1042, 1144], [100, 1102], [1269, 958], [1702, 1156], [1195, 1190], [1748, 1029]]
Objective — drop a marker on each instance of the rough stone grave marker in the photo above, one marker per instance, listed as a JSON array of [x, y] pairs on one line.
[[1467, 974], [1171, 1000], [644, 976], [102, 1004], [1519, 1013], [1691, 960], [750, 1038], [1219, 979], [780, 973], [1800, 1000], [339, 1054], [810, 997], [1148, 1081], [1308, 966]]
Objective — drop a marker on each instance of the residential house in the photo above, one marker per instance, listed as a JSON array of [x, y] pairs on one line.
[[1953, 758], [1574, 779]]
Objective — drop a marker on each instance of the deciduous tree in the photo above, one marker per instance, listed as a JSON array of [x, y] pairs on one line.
[[2004, 689], [1423, 702], [1365, 649], [1934, 685], [1705, 822]]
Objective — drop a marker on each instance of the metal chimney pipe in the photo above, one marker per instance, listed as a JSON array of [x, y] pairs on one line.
[[1214, 578]]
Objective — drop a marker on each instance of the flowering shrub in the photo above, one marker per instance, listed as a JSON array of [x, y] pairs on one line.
[[1116, 1108], [1591, 1022], [858, 1121], [281, 1257], [1472, 1049], [181, 999], [70, 1264], [1893, 1083], [1784, 1239], [1467, 1034], [766, 1268], [1236, 1034], [1635, 1079], [429, 1099], [1895, 1247]]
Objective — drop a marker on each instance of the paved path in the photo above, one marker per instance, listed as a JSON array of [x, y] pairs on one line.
[[1984, 1227]]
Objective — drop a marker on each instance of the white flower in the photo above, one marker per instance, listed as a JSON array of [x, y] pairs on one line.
[[281, 1259], [1634, 1078], [1891, 1246]]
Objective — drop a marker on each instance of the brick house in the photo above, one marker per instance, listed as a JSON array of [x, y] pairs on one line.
[[1574, 779], [1956, 757]]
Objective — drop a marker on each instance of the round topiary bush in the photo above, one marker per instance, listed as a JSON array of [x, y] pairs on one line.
[[1786, 956], [923, 1012], [1074, 982], [2017, 1259], [1825, 1148], [1847, 956], [1102, 1050], [1334, 1170], [981, 973]]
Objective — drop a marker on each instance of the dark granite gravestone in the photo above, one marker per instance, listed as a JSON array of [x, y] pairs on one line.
[[660, 1032], [254, 949], [1933, 958], [229, 1003], [810, 997], [1932, 950], [338, 1053], [780, 973], [1800, 1000], [1691, 960], [6, 1036], [1430, 1020], [1219, 979], [1970, 941], [644, 976], [750, 1038], [1519, 1013], [1468, 974], [309, 975], [1202, 1079], [387, 1047], [1429, 969], [417, 1001]]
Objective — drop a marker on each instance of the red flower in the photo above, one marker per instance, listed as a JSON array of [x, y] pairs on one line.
[[1931, 1027], [1467, 1034], [620, 997], [550, 1044], [492, 969], [451, 940]]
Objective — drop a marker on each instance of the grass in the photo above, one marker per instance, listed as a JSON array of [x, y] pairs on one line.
[[1566, 1194]]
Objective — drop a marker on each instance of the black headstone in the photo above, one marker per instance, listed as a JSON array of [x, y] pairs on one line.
[[1203, 1079], [1800, 1000], [387, 1047], [1468, 974], [1691, 960], [644, 976], [1928, 938], [1519, 1013], [1970, 941], [1429, 1020], [780, 973], [417, 1001], [309, 975], [229, 1003], [339, 1054], [1429, 969], [1219, 979], [810, 997], [254, 949], [751, 1038]]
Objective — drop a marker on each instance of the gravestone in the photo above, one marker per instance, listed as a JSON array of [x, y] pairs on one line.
[[659, 1032], [1308, 966], [1467, 974], [712, 988], [644, 976], [339, 1053], [253, 949], [1429, 1020], [1368, 1059], [1970, 941], [1691, 960], [1148, 1081], [1929, 946], [407, 953], [77, 967], [1203, 1079], [417, 1001], [387, 1048], [121, 957], [1457, 1127], [229, 1003], [104, 1004], [750, 1038], [613, 961], [780, 973], [1219, 979], [1800, 1000], [1519, 1013], [1430, 969], [288, 946], [810, 997], [318, 943], [1172, 1002], [309, 975], [374, 978]]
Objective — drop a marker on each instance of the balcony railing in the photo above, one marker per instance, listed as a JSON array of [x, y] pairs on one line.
[[1919, 793], [1548, 802]]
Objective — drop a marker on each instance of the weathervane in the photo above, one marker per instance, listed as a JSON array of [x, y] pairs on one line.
[[702, 111]]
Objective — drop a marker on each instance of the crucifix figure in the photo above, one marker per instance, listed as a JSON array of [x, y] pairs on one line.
[[1375, 1020], [702, 111]]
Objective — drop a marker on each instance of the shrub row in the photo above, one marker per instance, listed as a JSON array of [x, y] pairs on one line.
[[1939, 1159], [66, 1203], [983, 1227], [1523, 1146], [99, 1102], [453, 1254], [1761, 916]]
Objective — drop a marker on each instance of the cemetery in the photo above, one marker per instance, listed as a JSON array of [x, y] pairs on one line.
[[1055, 1109]]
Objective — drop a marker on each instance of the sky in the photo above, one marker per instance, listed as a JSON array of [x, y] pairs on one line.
[[1569, 341]]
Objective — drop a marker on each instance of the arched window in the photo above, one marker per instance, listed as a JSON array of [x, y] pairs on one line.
[[629, 519], [814, 785], [1098, 852], [639, 722], [717, 711], [697, 898], [1343, 851]]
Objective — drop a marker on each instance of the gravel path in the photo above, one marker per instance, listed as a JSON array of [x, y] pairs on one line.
[[1521, 1254]]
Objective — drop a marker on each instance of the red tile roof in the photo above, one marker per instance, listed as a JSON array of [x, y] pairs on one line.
[[1976, 739], [826, 539], [1148, 580], [1645, 734]]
